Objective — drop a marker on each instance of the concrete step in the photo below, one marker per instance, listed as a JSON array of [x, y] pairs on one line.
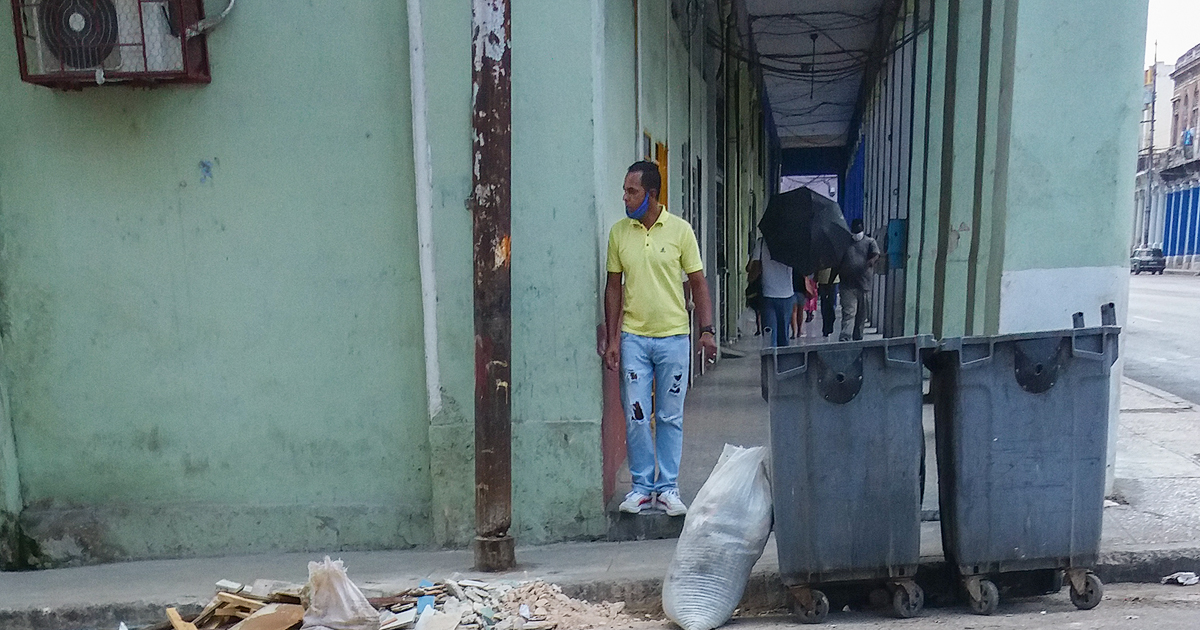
[[649, 525]]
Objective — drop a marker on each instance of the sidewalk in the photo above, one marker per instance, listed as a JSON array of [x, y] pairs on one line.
[[1153, 531]]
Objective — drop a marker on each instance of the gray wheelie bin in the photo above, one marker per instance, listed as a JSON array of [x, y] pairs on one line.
[[846, 443], [1022, 428]]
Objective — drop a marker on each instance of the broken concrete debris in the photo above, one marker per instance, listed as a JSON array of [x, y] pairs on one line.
[[454, 604]]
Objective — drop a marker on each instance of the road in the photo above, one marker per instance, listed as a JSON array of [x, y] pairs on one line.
[[1162, 335], [1125, 607]]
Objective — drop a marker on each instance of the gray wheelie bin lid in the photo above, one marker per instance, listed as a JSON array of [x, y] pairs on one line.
[[846, 442]]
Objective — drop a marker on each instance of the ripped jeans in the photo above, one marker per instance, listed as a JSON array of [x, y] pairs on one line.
[[661, 364]]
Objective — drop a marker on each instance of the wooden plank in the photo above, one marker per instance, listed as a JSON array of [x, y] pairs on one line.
[[207, 613], [239, 601], [177, 622]]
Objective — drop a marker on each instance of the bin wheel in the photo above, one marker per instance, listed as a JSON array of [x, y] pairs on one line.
[[906, 606], [990, 599], [1093, 592], [814, 614]]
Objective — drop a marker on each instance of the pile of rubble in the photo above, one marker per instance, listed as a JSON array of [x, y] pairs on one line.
[[447, 605]]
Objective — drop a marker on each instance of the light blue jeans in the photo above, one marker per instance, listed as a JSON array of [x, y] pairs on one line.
[[658, 365]]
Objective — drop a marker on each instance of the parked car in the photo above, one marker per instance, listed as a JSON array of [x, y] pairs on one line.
[[1149, 259]]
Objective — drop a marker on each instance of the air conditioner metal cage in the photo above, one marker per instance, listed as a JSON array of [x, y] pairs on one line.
[[76, 43]]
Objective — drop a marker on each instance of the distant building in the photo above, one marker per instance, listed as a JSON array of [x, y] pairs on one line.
[[1185, 104], [1176, 210], [1160, 92], [1153, 143]]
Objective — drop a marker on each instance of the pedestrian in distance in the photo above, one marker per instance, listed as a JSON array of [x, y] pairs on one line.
[[647, 335], [856, 271], [779, 296], [827, 292], [806, 300], [754, 297]]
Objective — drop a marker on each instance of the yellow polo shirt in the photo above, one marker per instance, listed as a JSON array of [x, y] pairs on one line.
[[654, 262]]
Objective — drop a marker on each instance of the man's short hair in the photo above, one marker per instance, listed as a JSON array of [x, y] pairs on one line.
[[856, 225], [650, 178]]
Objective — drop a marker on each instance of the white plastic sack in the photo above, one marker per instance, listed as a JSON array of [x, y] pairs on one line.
[[723, 536], [334, 602]]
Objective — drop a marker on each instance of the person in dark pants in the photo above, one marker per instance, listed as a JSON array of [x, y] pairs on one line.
[[827, 284], [856, 271]]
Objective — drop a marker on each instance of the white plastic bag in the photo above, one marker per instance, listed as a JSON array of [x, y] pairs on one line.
[[334, 602], [723, 536]]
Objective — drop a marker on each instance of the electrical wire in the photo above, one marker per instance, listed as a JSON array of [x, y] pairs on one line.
[[208, 24]]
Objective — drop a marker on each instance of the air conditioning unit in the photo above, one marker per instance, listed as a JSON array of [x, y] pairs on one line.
[[77, 43]]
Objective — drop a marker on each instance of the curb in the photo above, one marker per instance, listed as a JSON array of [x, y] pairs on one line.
[[1147, 565], [764, 591], [1182, 404]]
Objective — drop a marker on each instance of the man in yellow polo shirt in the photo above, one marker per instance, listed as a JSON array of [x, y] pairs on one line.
[[646, 321]]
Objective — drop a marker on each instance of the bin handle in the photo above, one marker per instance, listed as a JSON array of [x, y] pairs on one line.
[[887, 354], [1088, 354], [991, 353], [800, 369]]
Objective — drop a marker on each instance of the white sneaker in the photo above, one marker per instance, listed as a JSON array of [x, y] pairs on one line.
[[670, 503], [635, 502]]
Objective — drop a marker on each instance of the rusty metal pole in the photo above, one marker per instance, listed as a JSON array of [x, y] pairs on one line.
[[491, 205]]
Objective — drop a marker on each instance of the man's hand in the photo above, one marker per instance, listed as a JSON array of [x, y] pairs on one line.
[[709, 343], [612, 356], [613, 297]]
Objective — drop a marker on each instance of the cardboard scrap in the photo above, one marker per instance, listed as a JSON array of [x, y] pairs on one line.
[[276, 591], [272, 617]]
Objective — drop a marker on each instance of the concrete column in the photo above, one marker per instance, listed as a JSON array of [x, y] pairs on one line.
[[1140, 204]]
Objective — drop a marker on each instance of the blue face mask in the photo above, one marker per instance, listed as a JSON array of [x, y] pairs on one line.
[[641, 210]]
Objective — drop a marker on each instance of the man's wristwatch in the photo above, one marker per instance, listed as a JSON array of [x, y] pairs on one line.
[[708, 329]]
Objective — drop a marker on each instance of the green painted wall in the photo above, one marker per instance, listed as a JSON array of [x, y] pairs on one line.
[[555, 371], [222, 358], [1055, 162], [1012, 195], [210, 311], [620, 139], [447, 29]]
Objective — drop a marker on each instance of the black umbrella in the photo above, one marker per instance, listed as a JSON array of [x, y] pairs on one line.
[[805, 231]]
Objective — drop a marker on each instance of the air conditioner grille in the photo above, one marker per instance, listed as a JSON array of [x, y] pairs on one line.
[[74, 43]]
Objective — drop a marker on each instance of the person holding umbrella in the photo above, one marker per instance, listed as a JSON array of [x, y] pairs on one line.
[[806, 232], [778, 293], [856, 270]]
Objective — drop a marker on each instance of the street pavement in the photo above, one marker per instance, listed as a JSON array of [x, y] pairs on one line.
[[1162, 334], [1125, 607]]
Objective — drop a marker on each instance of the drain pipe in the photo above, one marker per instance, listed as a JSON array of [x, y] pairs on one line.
[[424, 181]]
